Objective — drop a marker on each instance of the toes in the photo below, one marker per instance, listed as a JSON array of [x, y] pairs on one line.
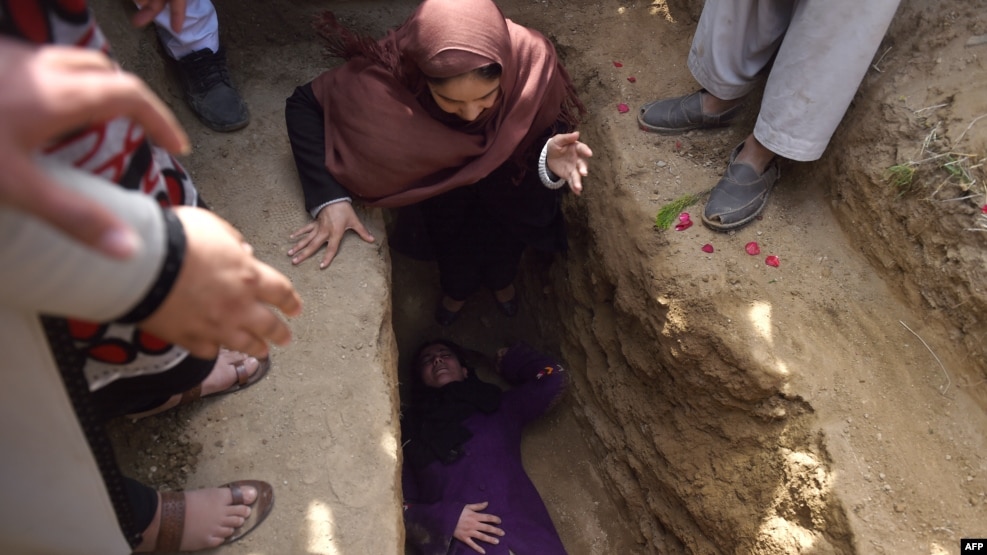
[[249, 496]]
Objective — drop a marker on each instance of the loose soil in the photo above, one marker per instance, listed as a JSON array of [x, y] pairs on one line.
[[833, 404]]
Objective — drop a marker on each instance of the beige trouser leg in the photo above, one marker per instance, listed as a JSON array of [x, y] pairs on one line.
[[823, 51]]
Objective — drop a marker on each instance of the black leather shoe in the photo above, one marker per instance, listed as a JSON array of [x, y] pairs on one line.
[[209, 90], [682, 113], [740, 195]]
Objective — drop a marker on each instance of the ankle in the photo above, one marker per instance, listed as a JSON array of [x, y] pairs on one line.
[[755, 155], [713, 105]]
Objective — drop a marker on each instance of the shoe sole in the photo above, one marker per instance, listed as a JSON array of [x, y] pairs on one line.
[[715, 226], [645, 126]]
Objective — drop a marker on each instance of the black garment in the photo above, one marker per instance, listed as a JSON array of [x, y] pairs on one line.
[[433, 430], [478, 233], [472, 247], [138, 394], [307, 133]]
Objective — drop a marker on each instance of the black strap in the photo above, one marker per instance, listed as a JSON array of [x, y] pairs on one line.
[[70, 363]]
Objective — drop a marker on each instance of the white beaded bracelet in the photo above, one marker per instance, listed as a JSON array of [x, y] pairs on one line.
[[543, 169], [315, 211]]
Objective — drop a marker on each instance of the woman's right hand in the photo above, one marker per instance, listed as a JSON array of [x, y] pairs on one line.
[[473, 525], [329, 227]]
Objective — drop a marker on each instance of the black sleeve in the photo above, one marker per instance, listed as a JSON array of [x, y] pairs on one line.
[[306, 131]]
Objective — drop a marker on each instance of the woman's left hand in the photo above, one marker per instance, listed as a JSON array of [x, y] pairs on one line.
[[567, 159]]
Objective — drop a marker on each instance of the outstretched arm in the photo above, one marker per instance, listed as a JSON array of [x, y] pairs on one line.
[[539, 380], [192, 281], [567, 158], [325, 198]]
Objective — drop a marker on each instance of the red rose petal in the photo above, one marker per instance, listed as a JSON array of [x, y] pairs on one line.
[[618, 64], [752, 248], [678, 145], [772, 260], [685, 222], [707, 248], [983, 209], [632, 79], [623, 108]]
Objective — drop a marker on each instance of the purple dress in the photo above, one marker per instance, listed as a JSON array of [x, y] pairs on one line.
[[490, 470]]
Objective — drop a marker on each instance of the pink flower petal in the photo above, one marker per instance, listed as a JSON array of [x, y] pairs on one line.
[[685, 222], [623, 108], [772, 260], [618, 64], [707, 248], [983, 209], [632, 79], [752, 248]]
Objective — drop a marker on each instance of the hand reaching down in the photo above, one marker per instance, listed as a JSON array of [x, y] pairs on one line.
[[567, 159], [223, 295]]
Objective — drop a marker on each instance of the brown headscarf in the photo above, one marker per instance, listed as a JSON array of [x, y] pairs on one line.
[[387, 148]]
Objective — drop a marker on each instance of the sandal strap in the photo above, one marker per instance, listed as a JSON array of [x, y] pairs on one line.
[[236, 493], [241, 374], [172, 524]]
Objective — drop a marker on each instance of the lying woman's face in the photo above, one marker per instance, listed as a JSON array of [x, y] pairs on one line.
[[466, 95], [439, 366]]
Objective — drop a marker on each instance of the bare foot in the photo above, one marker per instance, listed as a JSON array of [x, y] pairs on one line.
[[222, 377], [210, 518]]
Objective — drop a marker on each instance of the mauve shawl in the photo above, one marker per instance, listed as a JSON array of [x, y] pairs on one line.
[[387, 149]]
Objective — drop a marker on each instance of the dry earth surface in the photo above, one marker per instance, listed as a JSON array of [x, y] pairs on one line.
[[834, 404]]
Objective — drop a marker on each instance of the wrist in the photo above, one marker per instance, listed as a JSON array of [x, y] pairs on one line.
[[544, 173], [315, 211]]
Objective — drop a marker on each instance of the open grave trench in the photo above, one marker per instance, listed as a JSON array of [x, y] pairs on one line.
[[664, 444], [713, 407]]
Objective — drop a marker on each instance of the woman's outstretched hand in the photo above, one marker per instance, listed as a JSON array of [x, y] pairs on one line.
[[567, 159], [329, 228], [473, 525]]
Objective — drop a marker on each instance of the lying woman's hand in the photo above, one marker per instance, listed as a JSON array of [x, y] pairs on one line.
[[329, 227], [567, 159], [472, 525]]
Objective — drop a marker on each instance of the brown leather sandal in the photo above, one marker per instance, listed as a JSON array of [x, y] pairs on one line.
[[243, 381], [172, 525]]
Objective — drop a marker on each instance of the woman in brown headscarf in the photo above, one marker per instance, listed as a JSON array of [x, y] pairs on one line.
[[460, 112]]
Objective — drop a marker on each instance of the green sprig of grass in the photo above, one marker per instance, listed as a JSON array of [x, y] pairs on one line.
[[901, 177], [670, 212]]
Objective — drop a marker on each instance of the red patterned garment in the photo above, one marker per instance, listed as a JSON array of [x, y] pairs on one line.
[[119, 151]]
